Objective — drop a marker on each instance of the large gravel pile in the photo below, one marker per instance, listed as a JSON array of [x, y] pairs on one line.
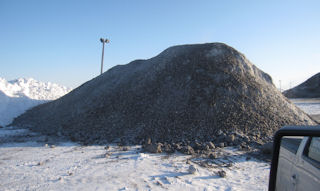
[[308, 89], [190, 93]]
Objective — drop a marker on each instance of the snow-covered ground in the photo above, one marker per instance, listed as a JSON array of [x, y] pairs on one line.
[[29, 161], [310, 106], [18, 95]]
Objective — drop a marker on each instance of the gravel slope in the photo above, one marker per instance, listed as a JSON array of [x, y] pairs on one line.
[[186, 93]]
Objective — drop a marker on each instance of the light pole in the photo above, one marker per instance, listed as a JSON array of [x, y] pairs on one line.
[[103, 42], [280, 85]]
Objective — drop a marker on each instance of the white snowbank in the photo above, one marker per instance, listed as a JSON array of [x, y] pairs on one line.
[[33, 89], [18, 95]]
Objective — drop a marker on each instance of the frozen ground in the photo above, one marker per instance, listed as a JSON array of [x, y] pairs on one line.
[[29, 161], [310, 106]]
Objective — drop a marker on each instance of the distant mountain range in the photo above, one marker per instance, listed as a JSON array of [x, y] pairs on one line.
[[16, 96], [308, 89]]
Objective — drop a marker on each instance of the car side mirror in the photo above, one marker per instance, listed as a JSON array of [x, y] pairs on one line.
[[287, 141]]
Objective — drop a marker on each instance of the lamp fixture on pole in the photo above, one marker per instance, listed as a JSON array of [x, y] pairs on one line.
[[103, 42]]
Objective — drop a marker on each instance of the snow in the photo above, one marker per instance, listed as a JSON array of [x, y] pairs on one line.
[[18, 95], [33, 163], [310, 106]]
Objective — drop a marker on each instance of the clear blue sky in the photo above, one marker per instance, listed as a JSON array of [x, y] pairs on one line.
[[58, 41]]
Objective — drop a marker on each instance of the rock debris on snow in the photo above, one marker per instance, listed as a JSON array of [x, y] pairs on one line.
[[192, 169], [222, 173], [153, 148]]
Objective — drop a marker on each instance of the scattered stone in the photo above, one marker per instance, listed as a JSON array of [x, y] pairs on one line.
[[168, 148], [187, 150], [247, 148], [213, 156], [148, 141], [107, 147], [248, 158], [177, 147], [192, 169], [46, 145], [243, 146], [221, 145], [222, 138], [153, 148], [203, 164], [230, 138], [52, 146], [196, 145], [1, 126], [244, 139], [222, 173], [159, 183], [125, 148], [267, 148], [60, 179], [166, 180], [40, 163], [211, 145]]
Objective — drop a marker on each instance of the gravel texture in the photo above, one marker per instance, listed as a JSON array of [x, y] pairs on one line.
[[187, 94]]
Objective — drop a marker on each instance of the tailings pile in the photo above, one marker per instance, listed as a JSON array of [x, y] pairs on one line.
[[187, 94]]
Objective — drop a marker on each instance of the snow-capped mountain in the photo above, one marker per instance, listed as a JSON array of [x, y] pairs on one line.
[[16, 96]]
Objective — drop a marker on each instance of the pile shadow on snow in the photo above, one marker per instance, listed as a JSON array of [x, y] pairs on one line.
[[308, 89], [202, 92]]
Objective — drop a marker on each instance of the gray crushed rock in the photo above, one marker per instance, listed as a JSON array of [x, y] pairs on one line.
[[186, 96]]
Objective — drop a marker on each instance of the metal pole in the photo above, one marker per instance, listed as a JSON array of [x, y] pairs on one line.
[[280, 85], [102, 57]]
